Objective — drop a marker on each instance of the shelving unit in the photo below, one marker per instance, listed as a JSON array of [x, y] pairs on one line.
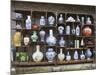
[[31, 47]]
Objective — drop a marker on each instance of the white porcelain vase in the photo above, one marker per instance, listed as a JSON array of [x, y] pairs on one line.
[[42, 35], [37, 55], [68, 56], [61, 55]]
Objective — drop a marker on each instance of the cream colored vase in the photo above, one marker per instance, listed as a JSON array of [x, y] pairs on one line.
[[38, 55], [61, 55]]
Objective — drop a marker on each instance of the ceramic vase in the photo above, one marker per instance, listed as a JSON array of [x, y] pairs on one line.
[[88, 54], [61, 30], [50, 55], [82, 56], [51, 20], [51, 40], [75, 55], [68, 56], [37, 55], [61, 55], [34, 36], [42, 21], [62, 42], [17, 39], [77, 30], [28, 22], [42, 35], [88, 21], [61, 20], [68, 30]]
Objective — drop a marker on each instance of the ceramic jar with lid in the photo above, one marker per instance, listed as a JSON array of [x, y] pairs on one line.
[[51, 40], [61, 55], [50, 54], [17, 39], [42, 21], [37, 55]]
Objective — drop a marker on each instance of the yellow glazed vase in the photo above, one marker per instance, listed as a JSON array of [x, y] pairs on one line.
[[17, 39]]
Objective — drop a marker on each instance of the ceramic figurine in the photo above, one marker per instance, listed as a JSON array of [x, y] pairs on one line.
[[61, 55], [51, 20], [50, 55], [82, 56], [28, 22], [68, 30], [42, 35], [75, 55], [88, 21], [62, 42], [88, 54], [82, 20], [77, 30], [61, 20], [42, 21], [61, 29], [26, 40], [68, 56], [70, 19], [37, 55], [34, 36], [17, 39], [51, 40]]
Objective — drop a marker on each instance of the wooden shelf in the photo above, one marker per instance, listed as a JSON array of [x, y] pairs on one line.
[[52, 63]]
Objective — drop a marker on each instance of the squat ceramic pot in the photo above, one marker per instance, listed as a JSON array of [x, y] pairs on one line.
[[61, 55], [50, 55], [37, 55]]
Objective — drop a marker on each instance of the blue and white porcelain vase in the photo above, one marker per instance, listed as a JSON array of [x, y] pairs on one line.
[[68, 56], [62, 42], [51, 20], [61, 20], [28, 22], [50, 55], [75, 55], [82, 56], [88, 54], [42, 35], [51, 40], [42, 21]]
